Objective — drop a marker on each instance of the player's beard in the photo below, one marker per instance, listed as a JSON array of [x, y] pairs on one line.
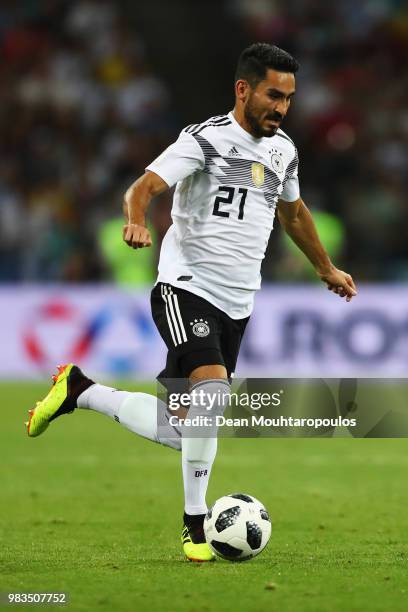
[[251, 114]]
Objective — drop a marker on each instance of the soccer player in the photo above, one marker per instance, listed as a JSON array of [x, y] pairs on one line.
[[232, 173]]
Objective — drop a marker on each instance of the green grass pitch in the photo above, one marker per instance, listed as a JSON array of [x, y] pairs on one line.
[[91, 509]]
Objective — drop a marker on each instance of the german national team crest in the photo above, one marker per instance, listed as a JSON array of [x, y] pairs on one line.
[[200, 328], [277, 163], [258, 174]]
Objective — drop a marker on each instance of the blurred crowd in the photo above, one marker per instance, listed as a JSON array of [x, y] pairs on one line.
[[83, 110], [81, 113]]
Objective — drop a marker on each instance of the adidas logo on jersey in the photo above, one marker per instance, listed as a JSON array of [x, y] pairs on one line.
[[233, 152]]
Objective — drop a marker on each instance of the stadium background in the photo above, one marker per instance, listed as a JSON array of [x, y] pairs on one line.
[[92, 91]]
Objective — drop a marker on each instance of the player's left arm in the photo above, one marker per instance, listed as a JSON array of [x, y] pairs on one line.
[[298, 223]]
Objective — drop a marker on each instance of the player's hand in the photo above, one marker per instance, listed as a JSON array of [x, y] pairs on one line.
[[136, 236], [339, 282]]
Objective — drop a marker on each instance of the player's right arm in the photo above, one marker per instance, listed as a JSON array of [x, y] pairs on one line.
[[179, 160], [136, 201]]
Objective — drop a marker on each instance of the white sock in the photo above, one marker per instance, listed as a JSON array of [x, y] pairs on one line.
[[141, 413], [198, 453], [105, 400], [196, 476]]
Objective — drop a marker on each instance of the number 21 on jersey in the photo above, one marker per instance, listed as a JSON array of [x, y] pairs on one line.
[[228, 199]]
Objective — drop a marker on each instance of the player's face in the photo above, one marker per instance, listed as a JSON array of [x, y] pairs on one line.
[[268, 103]]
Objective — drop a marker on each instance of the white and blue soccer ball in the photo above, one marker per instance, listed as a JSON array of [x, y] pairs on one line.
[[237, 527]]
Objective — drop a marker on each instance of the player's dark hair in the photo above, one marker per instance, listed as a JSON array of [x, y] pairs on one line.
[[255, 60]]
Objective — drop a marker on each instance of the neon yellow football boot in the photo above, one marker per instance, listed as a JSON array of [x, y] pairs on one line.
[[195, 546], [68, 384]]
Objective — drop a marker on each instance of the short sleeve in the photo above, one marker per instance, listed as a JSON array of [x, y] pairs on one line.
[[179, 160], [291, 190]]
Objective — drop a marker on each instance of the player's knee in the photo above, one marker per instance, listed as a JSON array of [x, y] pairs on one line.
[[208, 372]]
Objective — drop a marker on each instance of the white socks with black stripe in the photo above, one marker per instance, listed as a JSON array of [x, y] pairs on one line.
[[138, 412], [209, 398]]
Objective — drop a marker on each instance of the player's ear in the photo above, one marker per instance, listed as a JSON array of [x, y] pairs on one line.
[[242, 88]]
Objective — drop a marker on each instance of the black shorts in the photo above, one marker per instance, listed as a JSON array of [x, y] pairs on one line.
[[196, 333]]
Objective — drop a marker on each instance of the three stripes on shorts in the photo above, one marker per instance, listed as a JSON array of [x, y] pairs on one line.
[[174, 320]]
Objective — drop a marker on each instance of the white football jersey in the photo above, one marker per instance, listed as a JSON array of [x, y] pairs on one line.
[[228, 185]]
